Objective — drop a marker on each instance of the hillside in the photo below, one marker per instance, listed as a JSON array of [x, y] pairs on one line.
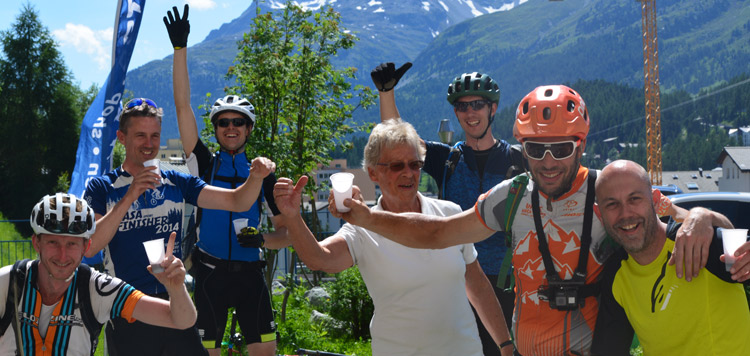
[[387, 29], [702, 43]]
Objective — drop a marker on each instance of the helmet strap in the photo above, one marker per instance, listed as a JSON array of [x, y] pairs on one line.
[[490, 119]]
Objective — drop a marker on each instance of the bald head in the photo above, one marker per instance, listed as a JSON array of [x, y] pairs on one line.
[[615, 172]]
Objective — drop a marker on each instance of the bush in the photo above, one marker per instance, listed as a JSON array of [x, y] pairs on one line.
[[351, 303], [297, 331]]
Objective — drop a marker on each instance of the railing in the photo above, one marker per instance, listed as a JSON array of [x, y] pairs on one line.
[[12, 251]]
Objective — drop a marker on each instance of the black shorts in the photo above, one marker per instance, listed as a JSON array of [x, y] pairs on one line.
[[137, 338], [241, 285]]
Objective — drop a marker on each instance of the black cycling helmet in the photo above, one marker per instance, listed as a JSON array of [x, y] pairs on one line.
[[473, 84]]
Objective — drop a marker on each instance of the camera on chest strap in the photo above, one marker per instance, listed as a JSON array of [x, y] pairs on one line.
[[562, 294]]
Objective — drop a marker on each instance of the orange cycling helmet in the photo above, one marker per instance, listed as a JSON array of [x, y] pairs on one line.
[[551, 111]]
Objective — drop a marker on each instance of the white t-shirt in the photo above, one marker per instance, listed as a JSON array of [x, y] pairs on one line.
[[421, 307]]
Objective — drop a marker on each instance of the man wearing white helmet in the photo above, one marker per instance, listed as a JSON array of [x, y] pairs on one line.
[[224, 260], [61, 304]]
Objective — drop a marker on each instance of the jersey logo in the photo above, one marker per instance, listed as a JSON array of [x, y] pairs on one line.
[[564, 246], [658, 296], [105, 285]]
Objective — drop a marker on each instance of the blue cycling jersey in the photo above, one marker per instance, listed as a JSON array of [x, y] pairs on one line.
[[154, 215], [216, 235], [466, 184]]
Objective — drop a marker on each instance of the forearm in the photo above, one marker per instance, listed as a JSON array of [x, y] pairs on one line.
[[182, 312], [107, 225], [277, 239], [482, 297], [388, 109], [181, 89], [310, 251], [410, 229]]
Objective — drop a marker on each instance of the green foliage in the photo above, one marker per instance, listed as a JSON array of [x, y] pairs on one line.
[[40, 110], [298, 332], [351, 303], [301, 100]]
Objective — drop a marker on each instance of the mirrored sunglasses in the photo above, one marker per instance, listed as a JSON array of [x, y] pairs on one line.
[[236, 122], [558, 150], [139, 101], [399, 166], [476, 105], [57, 227]]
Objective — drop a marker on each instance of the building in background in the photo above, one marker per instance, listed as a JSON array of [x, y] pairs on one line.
[[735, 167]]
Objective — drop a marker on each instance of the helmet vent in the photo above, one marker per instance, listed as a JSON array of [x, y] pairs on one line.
[[526, 108], [547, 113], [571, 106], [548, 93]]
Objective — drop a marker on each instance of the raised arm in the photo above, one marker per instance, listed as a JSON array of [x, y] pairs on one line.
[[330, 255], [178, 29], [107, 224], [179, 312], [385, 77], [241, 198], [418, 230], [482, 297]]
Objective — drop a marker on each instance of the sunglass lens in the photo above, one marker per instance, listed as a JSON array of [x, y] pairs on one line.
[[237, 122], [477, 104], [416, 165], [562, 150], [397, 166]]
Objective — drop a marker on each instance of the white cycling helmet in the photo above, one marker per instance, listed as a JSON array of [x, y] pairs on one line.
[[233, 103], [63, 214]]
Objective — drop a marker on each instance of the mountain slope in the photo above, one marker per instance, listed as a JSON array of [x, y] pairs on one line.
[[700, 43], [388, 30], [535, 42]]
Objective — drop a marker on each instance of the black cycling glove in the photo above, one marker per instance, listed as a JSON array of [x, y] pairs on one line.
[[178, 28], [250, 237], [386, 76]]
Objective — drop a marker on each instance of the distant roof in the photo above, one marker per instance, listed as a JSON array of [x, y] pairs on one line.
[[740, 156], [708, 182], [182, 168]]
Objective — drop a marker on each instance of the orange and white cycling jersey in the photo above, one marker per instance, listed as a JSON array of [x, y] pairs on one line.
[[537, 328]]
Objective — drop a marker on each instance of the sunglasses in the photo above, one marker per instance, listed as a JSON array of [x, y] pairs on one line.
[[74, 228], [476, 105], [399, 166], [236, 122], [558, 150], [139, 101]]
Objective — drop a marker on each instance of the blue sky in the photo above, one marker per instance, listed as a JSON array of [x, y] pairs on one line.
[[83, 29]]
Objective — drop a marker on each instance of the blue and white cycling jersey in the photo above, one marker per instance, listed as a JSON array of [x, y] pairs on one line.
[[154, 215]]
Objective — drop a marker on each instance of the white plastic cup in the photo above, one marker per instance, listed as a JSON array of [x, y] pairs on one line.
[[732, 240], [154, 163], [239, 224], [155, 253], [342, 189]]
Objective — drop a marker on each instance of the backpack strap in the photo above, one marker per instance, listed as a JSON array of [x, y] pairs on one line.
[[517, 162], [450, 166], [15, 287], [515, 193], [84, 301]]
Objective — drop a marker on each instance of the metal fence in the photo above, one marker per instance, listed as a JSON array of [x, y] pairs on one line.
[[12, 251]]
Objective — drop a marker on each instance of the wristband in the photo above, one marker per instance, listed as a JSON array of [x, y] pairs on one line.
[[506, 343]]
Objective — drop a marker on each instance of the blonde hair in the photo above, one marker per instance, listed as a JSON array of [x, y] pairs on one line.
[[388, 134]]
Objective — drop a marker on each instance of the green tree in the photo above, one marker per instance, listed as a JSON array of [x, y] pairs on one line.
[[39, 114], [304, 105]]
